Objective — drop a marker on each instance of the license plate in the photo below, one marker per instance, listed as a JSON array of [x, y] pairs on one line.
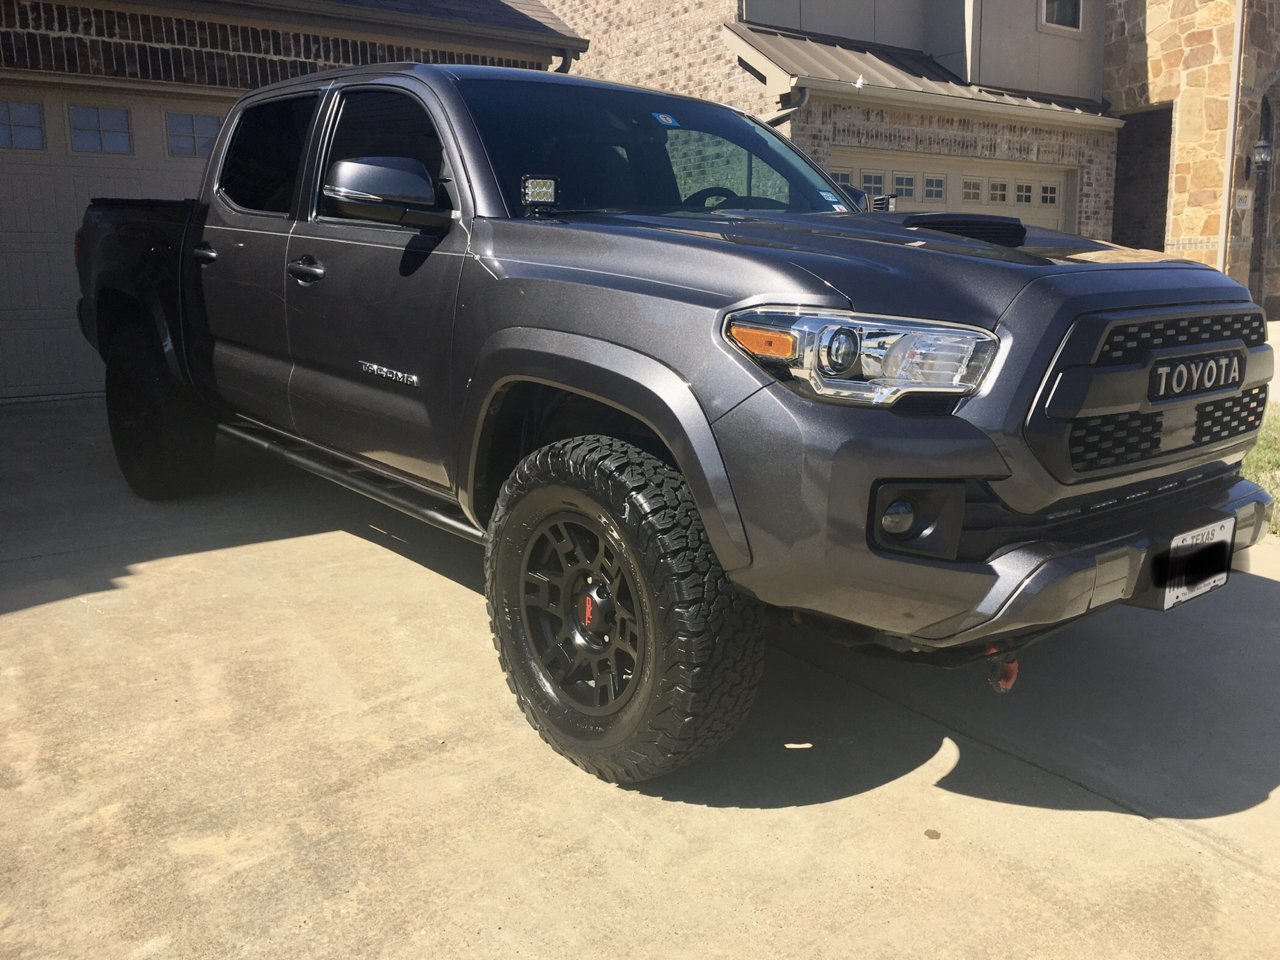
[[1198, 561]]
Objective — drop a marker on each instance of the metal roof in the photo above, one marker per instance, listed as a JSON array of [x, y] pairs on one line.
[[829, 61]]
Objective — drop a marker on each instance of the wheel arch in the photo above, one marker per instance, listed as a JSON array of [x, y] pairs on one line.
[[615, 390], [117, 304]]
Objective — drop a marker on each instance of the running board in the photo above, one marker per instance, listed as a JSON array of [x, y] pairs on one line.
[[375, 486]]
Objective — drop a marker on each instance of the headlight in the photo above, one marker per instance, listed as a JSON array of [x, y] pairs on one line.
[[861, 358]]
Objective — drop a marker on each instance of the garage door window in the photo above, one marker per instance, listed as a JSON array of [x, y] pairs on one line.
[[100, 130], [904, 185], [972, 191], [935, 188], [261, 167], [873, 183], [191, 134], [998, 191], [1049, 194], [21, 125], [1024, 192]]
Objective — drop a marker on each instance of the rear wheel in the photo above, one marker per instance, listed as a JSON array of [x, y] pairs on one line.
[[163, 441], [625, 644]]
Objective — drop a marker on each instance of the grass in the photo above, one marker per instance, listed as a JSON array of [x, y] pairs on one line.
[[1263, 463]]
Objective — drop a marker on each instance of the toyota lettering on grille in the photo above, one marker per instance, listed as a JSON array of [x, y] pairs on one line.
[[1195, 375]]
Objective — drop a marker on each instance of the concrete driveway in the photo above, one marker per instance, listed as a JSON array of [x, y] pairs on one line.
[[269, 722]]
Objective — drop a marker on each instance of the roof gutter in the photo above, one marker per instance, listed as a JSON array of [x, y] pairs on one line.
[[940, 101], [367, 20], [1233, 136], [796, 100]]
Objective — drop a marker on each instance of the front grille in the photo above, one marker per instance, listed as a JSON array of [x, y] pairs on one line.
[[1130, 342], [1224, 419], [1097, 443]]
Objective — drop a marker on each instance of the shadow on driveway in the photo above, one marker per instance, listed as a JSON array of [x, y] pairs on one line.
[[1170, 715]]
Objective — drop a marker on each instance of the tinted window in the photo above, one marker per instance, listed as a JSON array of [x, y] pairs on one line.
[[261, 167], [614, 149], [377, 123]]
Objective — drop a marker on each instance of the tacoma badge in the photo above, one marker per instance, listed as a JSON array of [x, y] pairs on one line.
[[410, 379]]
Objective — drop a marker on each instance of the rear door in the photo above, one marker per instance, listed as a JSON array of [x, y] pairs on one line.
[[371, 339], [235, 259]]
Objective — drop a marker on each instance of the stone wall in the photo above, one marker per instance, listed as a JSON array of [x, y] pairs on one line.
[[677, 47], [824, 124], [213, 52], [1259, 77], [1179, 52]]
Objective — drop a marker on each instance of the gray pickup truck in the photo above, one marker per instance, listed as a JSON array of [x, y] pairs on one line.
[[674, 379]]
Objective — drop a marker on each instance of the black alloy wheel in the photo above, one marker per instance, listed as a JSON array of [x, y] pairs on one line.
[[627, 647]]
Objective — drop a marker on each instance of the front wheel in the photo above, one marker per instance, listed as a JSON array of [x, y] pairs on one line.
[[626, 646]]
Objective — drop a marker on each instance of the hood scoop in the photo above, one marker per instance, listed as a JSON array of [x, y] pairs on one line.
[[1002, 231]]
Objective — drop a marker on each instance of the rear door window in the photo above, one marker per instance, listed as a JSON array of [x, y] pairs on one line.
[[263, 162]]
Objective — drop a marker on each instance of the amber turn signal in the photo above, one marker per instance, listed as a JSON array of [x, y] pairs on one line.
[[764, 342]]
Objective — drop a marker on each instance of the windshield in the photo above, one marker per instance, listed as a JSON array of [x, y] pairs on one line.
[[626, 150]]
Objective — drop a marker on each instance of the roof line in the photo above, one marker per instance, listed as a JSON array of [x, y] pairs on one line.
[[370, 17]]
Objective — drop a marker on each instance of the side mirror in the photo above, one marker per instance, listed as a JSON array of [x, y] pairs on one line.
[[385, 189]]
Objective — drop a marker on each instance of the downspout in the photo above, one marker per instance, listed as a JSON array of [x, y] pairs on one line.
[[1233, 131], [567, 57]]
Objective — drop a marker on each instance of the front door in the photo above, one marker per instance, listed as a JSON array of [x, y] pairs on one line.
[[235, 281], [370, 306]]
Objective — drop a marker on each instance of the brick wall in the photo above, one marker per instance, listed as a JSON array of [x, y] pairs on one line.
[[823, 124], [675, 47], [119, 44]]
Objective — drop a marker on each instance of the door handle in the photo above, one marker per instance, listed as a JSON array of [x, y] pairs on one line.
[[306, 269], [204, 253]]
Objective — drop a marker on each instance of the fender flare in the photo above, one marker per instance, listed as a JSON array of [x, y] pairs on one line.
[[626, 380], [152, 315]]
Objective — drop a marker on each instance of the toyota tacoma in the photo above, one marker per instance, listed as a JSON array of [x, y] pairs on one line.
[[676, 379]]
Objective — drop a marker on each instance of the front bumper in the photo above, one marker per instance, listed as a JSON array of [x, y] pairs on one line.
[[803, 474]]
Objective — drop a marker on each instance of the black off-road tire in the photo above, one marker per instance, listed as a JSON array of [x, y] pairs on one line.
[[680, 671], [164, 443]]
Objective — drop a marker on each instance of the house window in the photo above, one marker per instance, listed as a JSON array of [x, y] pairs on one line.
[[904, 185], [191, 134], [873, 183], [21, 125], [972, 191], [998, 192], [1062, 13], [100, 130], [935, 188], [1049, 195]]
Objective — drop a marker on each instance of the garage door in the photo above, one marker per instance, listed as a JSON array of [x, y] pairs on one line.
[[1037, 194], [60, 146]]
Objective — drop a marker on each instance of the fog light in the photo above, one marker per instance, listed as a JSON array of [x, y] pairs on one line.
[[898, 518]]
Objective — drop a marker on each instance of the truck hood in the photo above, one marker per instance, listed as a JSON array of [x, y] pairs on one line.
[[875, 261]]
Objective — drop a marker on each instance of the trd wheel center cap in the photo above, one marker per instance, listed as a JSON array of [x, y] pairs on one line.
[[594, 610]]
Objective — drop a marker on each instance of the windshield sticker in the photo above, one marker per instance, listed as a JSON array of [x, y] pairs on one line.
[[839, 208], [666, 119], [828, 196]]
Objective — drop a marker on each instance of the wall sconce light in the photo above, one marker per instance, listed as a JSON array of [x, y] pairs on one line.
[[1259, 160]]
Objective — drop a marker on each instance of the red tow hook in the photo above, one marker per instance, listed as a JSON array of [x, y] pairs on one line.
[[1004, 672]]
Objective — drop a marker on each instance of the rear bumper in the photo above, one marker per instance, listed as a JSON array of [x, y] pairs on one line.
[[804, 475]]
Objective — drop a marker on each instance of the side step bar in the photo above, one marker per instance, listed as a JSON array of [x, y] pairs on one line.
[[375, 486]]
